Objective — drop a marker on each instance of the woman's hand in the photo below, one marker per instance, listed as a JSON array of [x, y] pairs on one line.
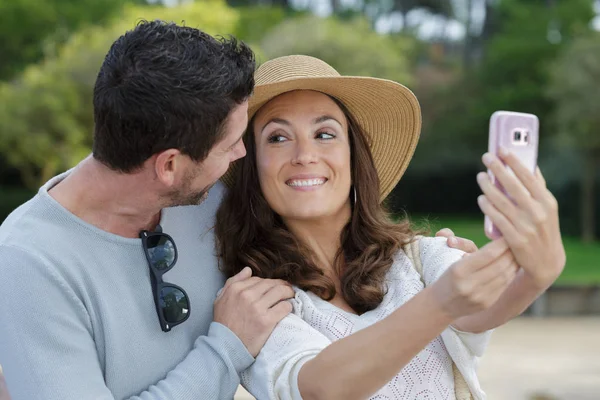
[[529, 223], [466, 245], [476, 282]]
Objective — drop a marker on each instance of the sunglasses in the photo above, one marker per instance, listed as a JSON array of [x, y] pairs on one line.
[[171, 301]]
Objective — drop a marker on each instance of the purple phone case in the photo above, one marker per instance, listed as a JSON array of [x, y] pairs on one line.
[[502, 127]]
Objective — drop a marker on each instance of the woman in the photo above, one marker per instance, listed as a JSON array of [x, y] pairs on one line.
[[305, 206]]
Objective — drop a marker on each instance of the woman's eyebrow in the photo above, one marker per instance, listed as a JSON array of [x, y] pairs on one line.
[[276, 120], [324, 118]]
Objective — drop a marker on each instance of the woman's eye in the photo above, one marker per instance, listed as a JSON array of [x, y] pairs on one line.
[[276, 139], [325, 135]]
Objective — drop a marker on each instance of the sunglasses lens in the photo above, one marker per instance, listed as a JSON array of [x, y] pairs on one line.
[[175, 305], [162, 252]]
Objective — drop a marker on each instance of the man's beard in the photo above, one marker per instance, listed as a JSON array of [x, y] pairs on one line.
[[187, 197]]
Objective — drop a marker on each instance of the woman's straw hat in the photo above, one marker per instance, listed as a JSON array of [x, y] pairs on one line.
[[387, 111]]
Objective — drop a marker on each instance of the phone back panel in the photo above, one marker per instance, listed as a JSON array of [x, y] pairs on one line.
[[519, 134]]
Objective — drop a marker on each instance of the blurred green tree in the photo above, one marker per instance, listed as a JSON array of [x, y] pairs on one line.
[[373, 10], [254, 22], [513, 74], [260, 3], [46, 121], [351, 47], [31, 28], [575, 88]]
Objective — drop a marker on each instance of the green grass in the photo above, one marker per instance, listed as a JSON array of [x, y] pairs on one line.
[[583, 260]]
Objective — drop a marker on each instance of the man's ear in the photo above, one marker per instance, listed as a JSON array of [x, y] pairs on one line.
[[167, 165]]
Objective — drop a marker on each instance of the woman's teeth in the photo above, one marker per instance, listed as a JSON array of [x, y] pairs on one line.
[[306, 182]]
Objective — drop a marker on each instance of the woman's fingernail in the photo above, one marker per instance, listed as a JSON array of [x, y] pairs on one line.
[[487, 159], [452, 241]]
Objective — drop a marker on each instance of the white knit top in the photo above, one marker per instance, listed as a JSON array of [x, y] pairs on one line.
[[315, 323]]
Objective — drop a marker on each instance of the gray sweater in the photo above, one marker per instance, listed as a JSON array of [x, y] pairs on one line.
[[77, 316]]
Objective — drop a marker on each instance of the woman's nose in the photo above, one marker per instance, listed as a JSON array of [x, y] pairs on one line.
[[305, 153]]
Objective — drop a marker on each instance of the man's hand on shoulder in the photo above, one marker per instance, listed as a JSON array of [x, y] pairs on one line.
[[251, 307]]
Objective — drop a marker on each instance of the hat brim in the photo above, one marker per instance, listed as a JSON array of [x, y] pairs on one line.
[[388, 112]]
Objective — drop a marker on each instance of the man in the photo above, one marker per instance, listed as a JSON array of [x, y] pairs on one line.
[[78, 316], [109, 274]]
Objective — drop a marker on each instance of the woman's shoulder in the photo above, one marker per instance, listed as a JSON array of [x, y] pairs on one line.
[[429, 244], [422, 247], [431, 248], [426, 257]]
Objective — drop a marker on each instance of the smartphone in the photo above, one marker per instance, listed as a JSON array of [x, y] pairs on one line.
[[519, 134]]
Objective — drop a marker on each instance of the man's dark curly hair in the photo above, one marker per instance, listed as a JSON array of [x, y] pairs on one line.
[[165, 86]]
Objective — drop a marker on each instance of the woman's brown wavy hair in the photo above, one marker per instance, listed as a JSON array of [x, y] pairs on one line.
[[249, 233]]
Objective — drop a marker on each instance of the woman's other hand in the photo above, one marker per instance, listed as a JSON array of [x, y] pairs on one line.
[[529, 223], [476, 282]]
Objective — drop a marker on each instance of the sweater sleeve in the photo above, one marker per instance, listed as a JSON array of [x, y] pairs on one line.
[[293, 342], [437, 257], [48, 352], [465, 348]]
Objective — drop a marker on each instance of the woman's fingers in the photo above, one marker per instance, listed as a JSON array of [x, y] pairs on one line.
[[535, 186], [498, 199], [511, 183], [502, 222], [496, 268], [482, 257], [540, 176], [505, 274], [471, 285]]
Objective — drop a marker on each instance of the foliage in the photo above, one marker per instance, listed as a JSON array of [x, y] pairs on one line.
[[255, 22], [512, 75], [31, 27], [46, 122], [574, 87], [351, 47], [515, 70]]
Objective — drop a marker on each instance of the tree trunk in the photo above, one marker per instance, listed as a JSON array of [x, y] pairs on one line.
[[336, 6], [468, 41], [489, 28], [285, 4], [588, 200]]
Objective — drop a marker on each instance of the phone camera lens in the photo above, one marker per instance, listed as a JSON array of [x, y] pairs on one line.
[[517, 136]]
